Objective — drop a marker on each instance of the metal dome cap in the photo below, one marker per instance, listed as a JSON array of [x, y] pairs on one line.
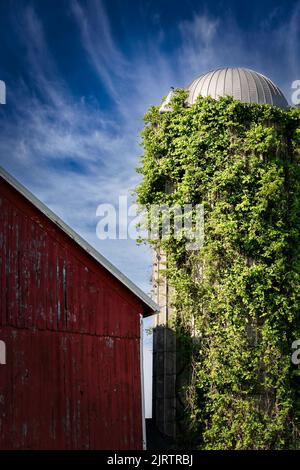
[[242, 84]]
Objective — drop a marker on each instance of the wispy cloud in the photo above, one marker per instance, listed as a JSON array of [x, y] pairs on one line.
[[70, 154], [198, 41], [108, 60], [133, 82]]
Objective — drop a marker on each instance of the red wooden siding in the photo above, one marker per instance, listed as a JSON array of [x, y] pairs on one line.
[[72, 333]]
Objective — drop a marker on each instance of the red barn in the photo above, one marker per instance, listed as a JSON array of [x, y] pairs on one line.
[[70, 324]]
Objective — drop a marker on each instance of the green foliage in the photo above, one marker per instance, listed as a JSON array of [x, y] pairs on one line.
[[242, 162]]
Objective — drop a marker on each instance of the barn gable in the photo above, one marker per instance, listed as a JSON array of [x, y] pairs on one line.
[[70, 322]]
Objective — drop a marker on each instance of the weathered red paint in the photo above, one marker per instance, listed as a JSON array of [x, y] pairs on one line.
[[72, 334]]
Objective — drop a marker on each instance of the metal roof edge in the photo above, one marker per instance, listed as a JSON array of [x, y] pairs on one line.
[[80, 241]]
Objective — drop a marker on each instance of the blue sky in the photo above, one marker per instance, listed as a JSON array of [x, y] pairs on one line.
[[80, 75]]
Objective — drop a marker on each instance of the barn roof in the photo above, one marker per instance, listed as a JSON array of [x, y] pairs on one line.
[[80, 241]]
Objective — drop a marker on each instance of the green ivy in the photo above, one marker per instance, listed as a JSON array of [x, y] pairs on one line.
[[242, 162]]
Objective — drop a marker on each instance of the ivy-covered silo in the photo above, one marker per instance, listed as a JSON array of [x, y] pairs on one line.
[[230, 143]]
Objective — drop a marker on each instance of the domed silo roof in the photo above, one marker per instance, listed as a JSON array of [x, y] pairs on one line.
[[242, 84]]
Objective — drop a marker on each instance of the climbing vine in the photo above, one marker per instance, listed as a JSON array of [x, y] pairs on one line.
[[237, 299]]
